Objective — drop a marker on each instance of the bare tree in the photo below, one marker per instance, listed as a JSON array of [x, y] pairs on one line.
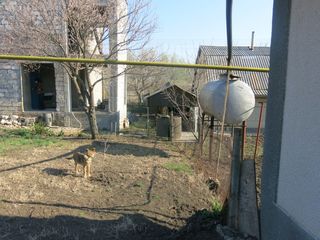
[[184, 104], [75, 28], [142, 80]]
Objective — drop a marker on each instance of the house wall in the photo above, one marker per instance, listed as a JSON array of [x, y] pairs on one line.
[[118, 85], [299, 159], [10, 88], [105, 120], [253, 120], [94, 76], [291, 179], [62, 89]]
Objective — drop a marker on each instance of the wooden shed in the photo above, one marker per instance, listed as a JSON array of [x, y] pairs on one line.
[[171, 100]]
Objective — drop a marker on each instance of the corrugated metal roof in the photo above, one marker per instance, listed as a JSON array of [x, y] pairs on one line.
[[241, 56], [236, 51]]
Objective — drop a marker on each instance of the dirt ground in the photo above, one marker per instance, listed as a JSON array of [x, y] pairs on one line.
[[131, 195]]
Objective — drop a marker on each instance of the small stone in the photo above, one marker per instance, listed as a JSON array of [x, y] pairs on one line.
[[5, 117], [14, 117]]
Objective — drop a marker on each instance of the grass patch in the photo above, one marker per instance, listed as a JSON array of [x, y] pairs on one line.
[[250, 147], [178, 167], [216, 207], [215, 211], [37, 136]]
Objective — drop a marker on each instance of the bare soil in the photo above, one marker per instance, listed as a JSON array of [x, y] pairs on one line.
[[131, 194]]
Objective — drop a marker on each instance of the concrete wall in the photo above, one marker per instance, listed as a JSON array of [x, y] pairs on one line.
[[118, 85], [105, 121], [299, 176], [291, 166], [94, 76], [253, 120]]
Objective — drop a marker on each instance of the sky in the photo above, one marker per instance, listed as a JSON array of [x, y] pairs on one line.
[[183, 25]]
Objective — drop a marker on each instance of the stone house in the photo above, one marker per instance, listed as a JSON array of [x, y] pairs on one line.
[[48, 89]]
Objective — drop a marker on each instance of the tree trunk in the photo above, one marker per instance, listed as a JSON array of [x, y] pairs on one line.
[[92, 118], [140, 98]]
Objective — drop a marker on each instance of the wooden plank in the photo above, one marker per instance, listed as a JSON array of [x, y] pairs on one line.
[[248, 210]]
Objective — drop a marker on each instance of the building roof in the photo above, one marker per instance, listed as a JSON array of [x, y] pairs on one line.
[[241, 56], [166, 87], [171, 92]]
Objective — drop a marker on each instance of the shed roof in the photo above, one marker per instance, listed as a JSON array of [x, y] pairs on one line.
[[168, 93], [241, 56], [166, 87]]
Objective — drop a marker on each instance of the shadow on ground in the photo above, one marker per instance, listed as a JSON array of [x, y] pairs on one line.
[[129, 226], [55, 158], [126, 227], [114, 148], [56, 171]]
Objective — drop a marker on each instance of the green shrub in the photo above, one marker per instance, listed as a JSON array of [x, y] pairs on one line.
[[42, 130], [216, 207]]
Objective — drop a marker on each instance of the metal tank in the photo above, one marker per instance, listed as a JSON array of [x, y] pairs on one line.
[[241, 100]]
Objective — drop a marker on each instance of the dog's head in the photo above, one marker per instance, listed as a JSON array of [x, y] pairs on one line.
[[90, 152]]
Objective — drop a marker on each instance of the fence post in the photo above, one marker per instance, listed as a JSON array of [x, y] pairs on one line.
[[148, 122], [201, 137], [233, 213], [211, 138]]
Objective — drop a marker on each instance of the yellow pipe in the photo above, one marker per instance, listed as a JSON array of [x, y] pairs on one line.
[[152, 64]]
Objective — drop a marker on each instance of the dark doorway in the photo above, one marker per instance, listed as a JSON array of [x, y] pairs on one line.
[[39, 87]]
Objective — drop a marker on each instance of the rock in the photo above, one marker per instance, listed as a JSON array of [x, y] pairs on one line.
[[7, 122], [16, 123], [5, 117], [14, 117]]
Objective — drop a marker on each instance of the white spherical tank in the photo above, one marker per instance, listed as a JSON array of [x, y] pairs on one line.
[[241, 100]]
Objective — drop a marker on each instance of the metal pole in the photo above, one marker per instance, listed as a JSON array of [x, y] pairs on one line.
[[117, 62], [148, 121], [233, 213], [258, 131], [201, 137], [171, 126], [211, 138], [244, 137]]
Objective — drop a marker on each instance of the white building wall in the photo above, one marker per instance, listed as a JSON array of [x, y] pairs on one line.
[[118, 85], [253, 120], [94, 76], [299, 175]]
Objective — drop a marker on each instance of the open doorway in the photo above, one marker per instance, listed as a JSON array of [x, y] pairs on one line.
[[39, 89]]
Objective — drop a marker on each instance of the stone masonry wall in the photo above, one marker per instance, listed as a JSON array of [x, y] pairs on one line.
[[10, 88], [62, 88]]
